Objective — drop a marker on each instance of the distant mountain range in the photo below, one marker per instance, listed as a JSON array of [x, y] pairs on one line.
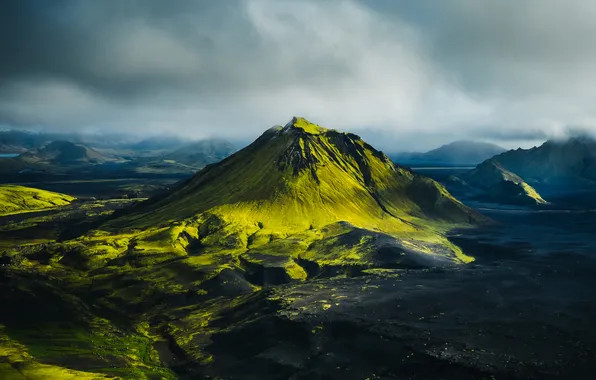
[[158, 143], [20, 142], [152, 156], [188, 158], [521, 176], [555, 163], [202, 153], [63, 153], [462, 153], [16, 141]]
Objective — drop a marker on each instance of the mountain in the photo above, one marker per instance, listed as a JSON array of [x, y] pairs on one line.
[[63, 152], [561, 163], [202, 153], [456, 153], [565, 170], [158, 143], [15, 199], [187, 159], [502, 186], [20, 142], [299, 197]]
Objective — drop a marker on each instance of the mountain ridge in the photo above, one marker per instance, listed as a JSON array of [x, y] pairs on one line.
[[554, 162]]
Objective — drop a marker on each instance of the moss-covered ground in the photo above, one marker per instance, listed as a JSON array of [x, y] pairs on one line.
[[17, 199]]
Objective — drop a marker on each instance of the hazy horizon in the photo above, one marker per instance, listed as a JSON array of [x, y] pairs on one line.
[[406, 76]]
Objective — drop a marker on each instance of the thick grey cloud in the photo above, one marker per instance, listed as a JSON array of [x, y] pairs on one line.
[[408, 75]]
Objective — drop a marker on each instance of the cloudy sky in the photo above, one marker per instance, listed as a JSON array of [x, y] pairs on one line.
[[404, 74]]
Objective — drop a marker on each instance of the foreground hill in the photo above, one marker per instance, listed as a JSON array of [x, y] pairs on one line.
[[63, 153], [456, 153], [14, 199]]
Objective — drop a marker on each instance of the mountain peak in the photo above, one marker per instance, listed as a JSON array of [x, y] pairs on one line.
[[300, 123]]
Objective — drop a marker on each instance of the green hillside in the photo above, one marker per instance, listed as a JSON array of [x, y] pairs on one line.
[[15, 199]]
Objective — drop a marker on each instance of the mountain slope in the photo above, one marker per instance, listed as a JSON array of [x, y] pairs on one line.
[[456, 153], [300, 194], [501, 185], [555, 162], [14, 199]]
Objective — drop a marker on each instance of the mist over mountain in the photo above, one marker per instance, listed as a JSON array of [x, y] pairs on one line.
[[202, 153]]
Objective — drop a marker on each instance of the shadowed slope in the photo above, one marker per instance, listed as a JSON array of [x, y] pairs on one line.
[[501, 185], [565, 163]]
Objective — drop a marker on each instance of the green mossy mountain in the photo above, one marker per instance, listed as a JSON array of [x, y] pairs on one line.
[[300, 193]]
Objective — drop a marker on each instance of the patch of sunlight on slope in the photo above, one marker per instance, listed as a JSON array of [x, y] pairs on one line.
[[532, 193], [18, 199], [306, 126]]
